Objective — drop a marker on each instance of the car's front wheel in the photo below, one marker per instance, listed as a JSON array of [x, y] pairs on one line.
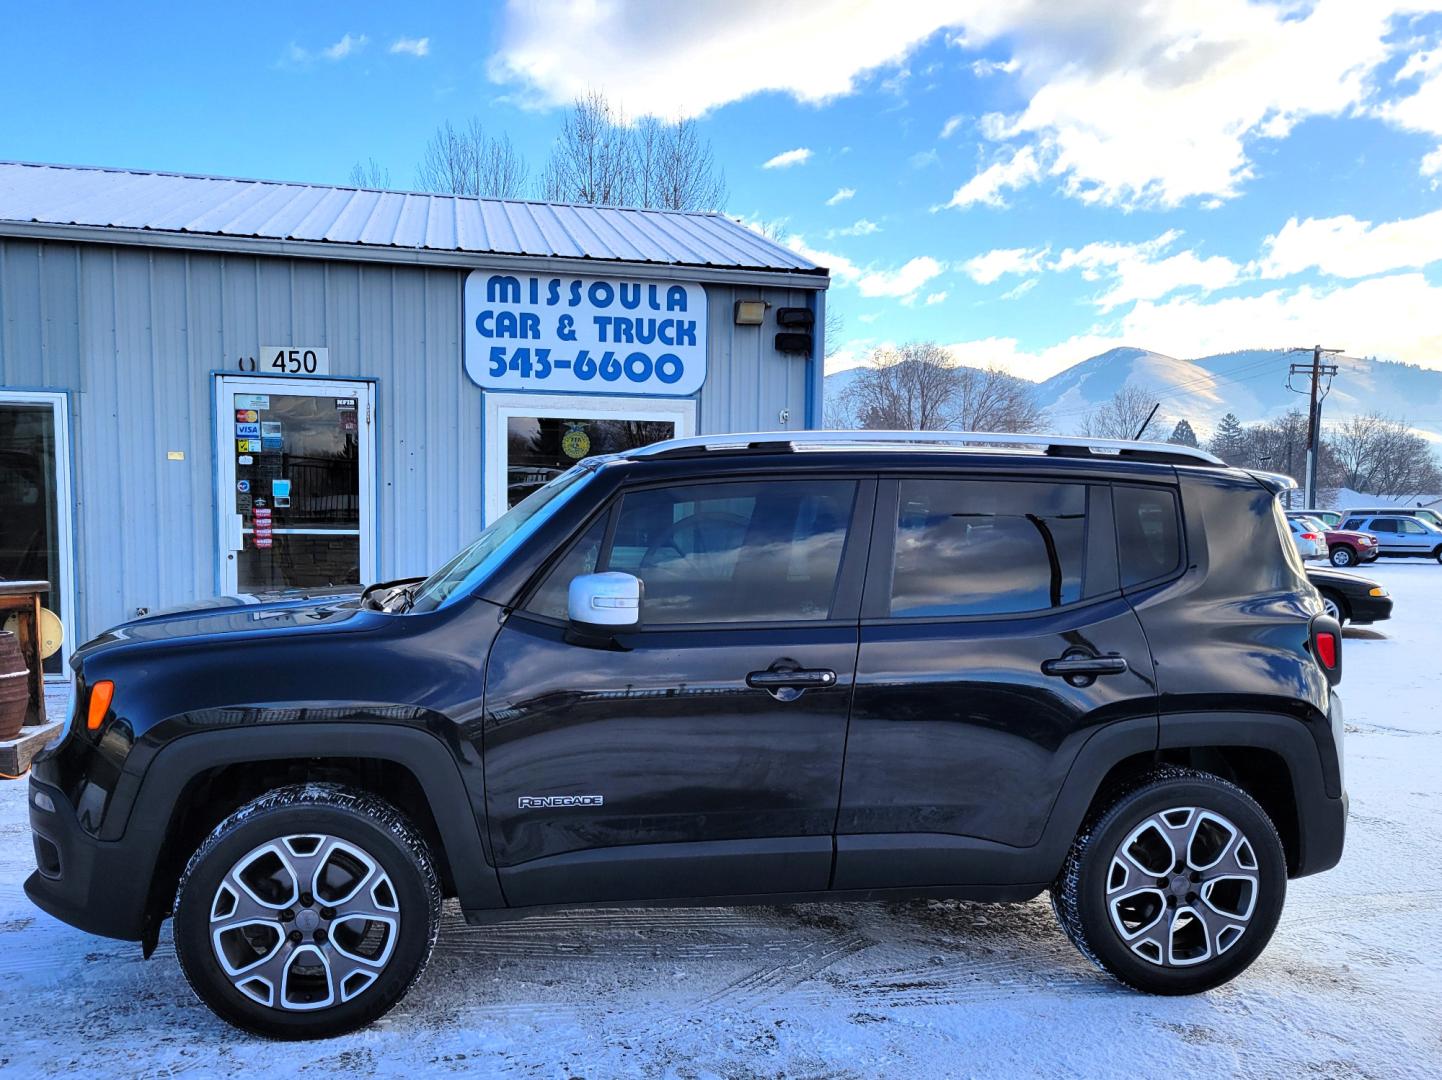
[[1342, 555], [307, 913], [1176, 885], [1334, 606]]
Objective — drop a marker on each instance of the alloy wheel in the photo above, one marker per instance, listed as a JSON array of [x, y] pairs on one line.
[[1330, 607], [1182, 887], [304, 922]]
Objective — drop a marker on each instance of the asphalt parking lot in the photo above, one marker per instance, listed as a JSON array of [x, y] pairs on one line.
[[1351, 985]]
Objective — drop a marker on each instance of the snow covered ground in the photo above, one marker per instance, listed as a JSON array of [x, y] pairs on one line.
[[1351, 985]]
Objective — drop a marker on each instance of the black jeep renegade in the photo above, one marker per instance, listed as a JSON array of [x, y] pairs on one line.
[[763, 668]]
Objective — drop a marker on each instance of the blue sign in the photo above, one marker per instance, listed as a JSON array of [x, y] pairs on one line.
[[247, 431]]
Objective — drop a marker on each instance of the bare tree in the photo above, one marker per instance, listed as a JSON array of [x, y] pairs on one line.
[[1382, 456], [600, 158], [1122, 416], [675, 168], [990, 399], [369, 174], [911, 388], [470, 162], [593, 160]]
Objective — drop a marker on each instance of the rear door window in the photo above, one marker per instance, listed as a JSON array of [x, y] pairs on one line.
[[987, 547], [1386, 525], [1149, 533]]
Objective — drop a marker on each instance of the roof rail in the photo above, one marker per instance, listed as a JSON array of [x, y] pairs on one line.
[[1054, 445]]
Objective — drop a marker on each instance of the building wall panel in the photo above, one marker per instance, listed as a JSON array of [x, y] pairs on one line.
[[135, 335]]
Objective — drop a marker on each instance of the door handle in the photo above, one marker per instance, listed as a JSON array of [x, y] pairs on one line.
[[1085, 666], [799, 679], [789, 683]]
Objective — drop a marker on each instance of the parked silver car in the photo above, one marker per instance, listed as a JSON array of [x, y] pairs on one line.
[[1426, 513], [1309, 536], [1400, 535]]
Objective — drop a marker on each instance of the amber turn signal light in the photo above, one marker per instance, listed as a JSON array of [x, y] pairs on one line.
[[100, 695]]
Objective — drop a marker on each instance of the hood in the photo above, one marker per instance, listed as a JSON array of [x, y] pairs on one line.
[[226, 615], [1339, 578]]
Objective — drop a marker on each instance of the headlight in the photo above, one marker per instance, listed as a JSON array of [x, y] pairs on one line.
[[1378, 591]]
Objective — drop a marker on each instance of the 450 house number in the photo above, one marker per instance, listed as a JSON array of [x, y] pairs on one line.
[[288, 360]]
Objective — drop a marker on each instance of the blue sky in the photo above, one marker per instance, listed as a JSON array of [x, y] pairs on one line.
[[1029, 183]]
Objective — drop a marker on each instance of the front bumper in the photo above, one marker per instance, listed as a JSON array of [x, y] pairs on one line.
[[90, 884], [1369, 609]]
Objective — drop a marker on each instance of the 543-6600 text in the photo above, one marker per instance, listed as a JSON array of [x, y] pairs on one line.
[[609, 366]]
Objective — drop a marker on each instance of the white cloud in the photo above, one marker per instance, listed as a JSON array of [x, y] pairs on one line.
[[987, 268], [842, 194], [662, 58], [800, 156], [987, 186], [903, 281], [1432, 164], [872, 282], [949, 128], [1021, 289], [1420, 111], [411, 46], [922, 158], [861, 227], [1348, 248], [982, 68], [1389, 317], [936, 298], [1167, 104], [1136, 272], [346, 46]]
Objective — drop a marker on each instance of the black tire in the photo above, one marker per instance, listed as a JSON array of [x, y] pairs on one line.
[[1080, 893], [1342, 555], [355, 820], [1334, 599]]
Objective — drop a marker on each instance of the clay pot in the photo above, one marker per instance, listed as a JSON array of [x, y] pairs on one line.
[[14, 686]]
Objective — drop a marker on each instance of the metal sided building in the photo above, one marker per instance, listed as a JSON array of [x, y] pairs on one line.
[[217, 386]]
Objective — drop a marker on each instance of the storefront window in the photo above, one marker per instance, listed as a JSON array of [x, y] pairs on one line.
[[29, 528], [541, 448]]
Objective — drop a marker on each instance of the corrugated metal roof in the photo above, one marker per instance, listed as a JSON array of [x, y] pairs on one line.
[[69, 195]]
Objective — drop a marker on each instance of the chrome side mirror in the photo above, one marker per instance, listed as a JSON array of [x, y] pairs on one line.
[[612, 599]]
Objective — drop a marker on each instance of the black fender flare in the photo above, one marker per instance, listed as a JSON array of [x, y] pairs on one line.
[[422, 753]]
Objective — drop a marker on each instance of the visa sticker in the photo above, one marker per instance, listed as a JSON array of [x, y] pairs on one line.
[[248, 430]]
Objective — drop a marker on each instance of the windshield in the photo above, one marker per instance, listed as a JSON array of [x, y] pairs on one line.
[[498, 540]]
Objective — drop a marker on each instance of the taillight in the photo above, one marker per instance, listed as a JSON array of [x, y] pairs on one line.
[[1326, 641], [1310, 536]]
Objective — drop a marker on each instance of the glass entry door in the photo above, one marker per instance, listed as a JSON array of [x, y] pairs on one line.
[[297, 484]]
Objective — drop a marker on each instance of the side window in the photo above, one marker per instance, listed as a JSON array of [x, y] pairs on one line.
[[1149, 535], [551, 599], [1412, 528], [985, 547], [1384, 525], [757, 551], [1353, 523]]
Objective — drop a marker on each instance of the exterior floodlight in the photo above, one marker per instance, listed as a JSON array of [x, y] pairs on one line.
[[751, 312]]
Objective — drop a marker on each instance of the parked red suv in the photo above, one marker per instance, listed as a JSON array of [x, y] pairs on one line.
[[1345, 547]]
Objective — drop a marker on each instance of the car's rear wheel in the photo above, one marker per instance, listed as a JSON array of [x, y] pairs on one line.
[[307, 913], [1176, 885], [1335, 606], [1342, 555]]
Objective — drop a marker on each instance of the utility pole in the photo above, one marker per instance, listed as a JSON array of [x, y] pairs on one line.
[[1315, 370]]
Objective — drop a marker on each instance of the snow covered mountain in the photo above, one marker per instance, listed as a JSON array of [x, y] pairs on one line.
[[1252, 384]]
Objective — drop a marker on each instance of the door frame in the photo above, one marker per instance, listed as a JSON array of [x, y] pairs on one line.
[[227, 524], [59, 402], [500, 407]]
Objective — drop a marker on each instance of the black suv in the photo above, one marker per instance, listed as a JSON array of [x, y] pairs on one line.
[[752, 669]]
